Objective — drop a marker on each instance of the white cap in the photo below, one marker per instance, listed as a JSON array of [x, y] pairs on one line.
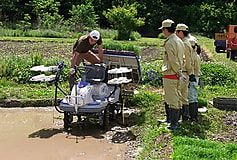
[[192, 40], [95, 35], [182, 27], [166, 23]]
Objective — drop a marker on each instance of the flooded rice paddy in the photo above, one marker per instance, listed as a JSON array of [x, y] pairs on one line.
[[37, 133]]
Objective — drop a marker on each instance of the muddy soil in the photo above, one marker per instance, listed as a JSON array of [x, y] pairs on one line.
[[36, 133]]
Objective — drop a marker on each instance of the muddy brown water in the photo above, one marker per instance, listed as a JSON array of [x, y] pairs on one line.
[[36, 134]]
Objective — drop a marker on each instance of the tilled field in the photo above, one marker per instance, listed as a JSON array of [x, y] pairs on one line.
[[64, 50], [49, 50]]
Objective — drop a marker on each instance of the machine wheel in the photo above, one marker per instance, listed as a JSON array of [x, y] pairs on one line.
[[218, 49], [106, 118], [232, 55], [228, 55]]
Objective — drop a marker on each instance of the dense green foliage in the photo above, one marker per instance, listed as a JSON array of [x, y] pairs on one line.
[[124, 20], [82, 16], [206, 16], [217, 74]]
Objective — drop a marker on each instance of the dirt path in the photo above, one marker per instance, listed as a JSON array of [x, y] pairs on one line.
[[36, 133]]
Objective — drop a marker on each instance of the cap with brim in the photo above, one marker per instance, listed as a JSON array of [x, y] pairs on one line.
[[166, 23], [192, 37], [95, 35], [182, 27], [192, 40]]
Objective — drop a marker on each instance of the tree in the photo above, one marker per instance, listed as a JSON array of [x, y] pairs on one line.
[[11, 10], [25, 24], [124, 20], [215, 16], [46, 12], [82, 16]]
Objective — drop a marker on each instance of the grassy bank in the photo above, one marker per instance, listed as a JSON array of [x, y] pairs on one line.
[[213, 137]]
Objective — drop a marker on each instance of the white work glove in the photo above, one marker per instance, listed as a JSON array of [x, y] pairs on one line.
[[72, 71], [183, 79]]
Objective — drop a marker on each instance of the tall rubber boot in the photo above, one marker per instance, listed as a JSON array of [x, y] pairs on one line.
[[185, 113], [193, 111], [196, 112], [174, 118], [167, 111]]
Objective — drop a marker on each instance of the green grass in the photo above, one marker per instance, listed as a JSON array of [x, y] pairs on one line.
[[38, 39], [13, 90], [209, 92]]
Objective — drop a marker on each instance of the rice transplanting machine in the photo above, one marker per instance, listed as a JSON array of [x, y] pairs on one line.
[[101, 90]]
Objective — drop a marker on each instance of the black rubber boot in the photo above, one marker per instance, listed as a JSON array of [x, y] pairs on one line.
[[193, 111], [185, 113], [167, 119], [174, 118], [196, 112]]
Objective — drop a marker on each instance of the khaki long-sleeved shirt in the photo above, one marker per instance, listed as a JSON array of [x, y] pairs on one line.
[[189, 62], [173, 58], [197, 64]]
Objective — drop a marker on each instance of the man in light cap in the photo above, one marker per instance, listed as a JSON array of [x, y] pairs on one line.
[[82, 50], [172, 73], [182, 31]]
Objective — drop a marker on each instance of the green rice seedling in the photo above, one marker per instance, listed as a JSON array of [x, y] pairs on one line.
[[200, 142], [191, 148], [232, 150], [190, 152]]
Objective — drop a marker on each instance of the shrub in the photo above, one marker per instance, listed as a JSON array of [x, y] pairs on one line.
[[107, 33], [161, 36], [124, 20], [216, 74], [135, 36], [81, 16]]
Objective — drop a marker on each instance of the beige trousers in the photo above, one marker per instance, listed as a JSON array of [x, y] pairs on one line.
[[172, 93], [184, 90]]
